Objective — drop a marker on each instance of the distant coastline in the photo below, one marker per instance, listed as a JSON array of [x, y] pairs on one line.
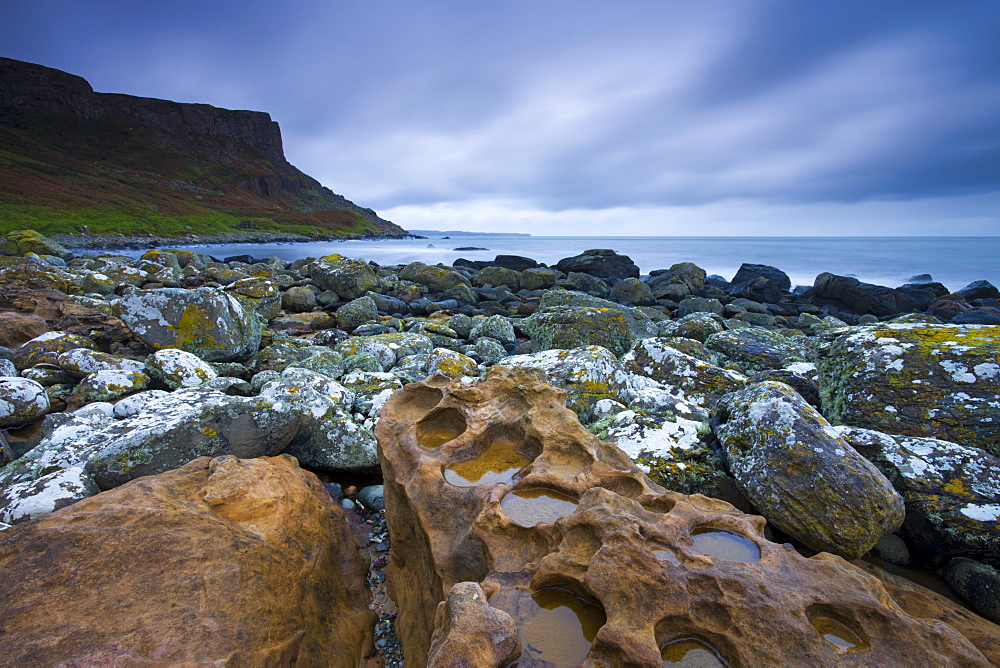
[[460, 233]]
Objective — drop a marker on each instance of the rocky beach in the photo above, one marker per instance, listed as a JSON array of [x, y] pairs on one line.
[[326, 462]]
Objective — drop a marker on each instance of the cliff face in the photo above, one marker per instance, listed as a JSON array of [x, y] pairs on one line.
[[65, 147]]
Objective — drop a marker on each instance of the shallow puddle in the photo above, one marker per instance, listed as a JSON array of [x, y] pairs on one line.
[[529, 507], [664, 554], [497, 463], [724, 545], [842, 639], [557, 629], [691, 653], [440, 427]]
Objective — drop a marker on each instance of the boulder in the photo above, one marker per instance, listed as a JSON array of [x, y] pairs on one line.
[[568, 327], [850, 294], [32, 499], [952, 492], [357, 312], [538, 279], [21, 401], [801, 474], [698, 326], [588, 375], [327, 438], [434, 278], [682, 279], [209, 323], [298, 299], [938, 381], [692, 305], [759, 282], [17, 327], [689, 378], [220, 562], [258, 295], [22, 242], [495, 327], [83, 361], [497, 276], [601, 263], [596, 565], [979, 290], [387, 348], [639, 324], [46, 348], [978, 584], [348, 278], [167, 433], [755, 349], [110, 384], [178, 368]]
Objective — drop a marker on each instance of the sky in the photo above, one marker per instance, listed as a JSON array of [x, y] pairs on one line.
[[557, 117]]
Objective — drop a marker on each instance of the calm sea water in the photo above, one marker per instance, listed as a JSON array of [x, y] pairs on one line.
[[891, 261]]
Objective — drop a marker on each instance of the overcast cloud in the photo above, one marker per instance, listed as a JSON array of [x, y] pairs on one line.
[[579, 117]]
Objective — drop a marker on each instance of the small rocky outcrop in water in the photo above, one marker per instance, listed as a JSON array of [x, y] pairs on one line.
[[497, 484], [222, 561]]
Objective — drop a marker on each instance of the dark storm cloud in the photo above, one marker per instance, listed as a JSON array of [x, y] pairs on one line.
[[576, 106]]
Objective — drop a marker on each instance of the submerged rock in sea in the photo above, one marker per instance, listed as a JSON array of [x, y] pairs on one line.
[[222, 561], [497, 484]]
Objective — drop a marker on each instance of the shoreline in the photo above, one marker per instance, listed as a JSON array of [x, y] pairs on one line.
[[84, 242]]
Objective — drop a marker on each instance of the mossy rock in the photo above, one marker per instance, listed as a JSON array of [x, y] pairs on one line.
[[696, 381], [22, 242], [435, 278], [936, 381], [757, 349], [801, 474], [348, 278], [570, 327]]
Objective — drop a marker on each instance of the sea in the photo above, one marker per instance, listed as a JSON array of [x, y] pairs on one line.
[[890, 261]]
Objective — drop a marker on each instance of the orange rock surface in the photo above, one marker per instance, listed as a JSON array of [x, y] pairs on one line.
[[220, 562], [595, 564]]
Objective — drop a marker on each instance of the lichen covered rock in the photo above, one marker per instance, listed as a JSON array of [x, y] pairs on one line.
[[349, 278], [801, 474], [184, 425], [220, 562], [937, 381], [688, 377], [178, 368], [568, 327], [21, 400], [32, 499], [756, 349], [208, 323], [952, 491], [588, 374], [46, 348]]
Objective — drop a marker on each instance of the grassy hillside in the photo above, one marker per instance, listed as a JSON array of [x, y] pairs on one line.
[[61, 170]]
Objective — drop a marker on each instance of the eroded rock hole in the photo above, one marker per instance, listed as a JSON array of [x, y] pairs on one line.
[[499, 462], [439, 427], [724, 545], [528, 507], [557, 628], [693, 653], [836, 630]]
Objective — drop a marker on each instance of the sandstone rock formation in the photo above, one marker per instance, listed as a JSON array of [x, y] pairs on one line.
[[222, 561], [498, 484]]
